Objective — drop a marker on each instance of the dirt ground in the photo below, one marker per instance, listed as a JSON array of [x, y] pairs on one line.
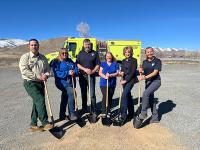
[[99, 137], [175, 130]]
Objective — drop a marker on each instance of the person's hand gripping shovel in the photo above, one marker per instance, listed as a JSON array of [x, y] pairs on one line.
[[55, 131]]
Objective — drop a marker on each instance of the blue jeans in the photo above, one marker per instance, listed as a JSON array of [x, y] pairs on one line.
[[83, 81], [67, 97], [127, 101]]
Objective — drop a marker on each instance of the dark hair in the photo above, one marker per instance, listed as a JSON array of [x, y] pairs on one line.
[[148, 48], [33, 40], [128, 48], [113, 58], [86, 41]]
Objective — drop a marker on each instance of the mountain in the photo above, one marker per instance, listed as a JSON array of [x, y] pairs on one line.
[[9, 55], [12, 49], [10, 43]]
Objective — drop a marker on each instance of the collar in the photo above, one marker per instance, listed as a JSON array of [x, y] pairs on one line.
[[87, 52], [128, 59], [33, 55], [152, 59]]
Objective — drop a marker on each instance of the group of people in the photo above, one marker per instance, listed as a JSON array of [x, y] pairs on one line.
[[35, 71]]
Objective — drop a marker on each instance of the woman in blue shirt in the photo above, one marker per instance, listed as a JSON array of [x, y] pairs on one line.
[[64, 69], [108, 71]]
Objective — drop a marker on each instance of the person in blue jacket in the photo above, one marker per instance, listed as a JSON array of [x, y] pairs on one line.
[[64, 69], [108, 71]]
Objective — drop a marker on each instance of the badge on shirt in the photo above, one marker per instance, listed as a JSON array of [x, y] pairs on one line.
[[153, 64], [92, 54]]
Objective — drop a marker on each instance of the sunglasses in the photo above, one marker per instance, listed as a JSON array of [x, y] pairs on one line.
[[64, 53]]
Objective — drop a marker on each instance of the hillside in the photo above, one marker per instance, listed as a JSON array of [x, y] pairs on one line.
[[9, 56]]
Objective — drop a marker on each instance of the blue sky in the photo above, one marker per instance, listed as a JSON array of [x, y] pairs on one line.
[[162, 23]]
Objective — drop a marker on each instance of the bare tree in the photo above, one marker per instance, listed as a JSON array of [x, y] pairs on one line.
[[83, 29]]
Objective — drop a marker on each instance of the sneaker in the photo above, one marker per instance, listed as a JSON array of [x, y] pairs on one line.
[[36, 129], [130, 116], [66, 118], [122, 121], [83, 111], [73, 116], [142, 116], [154, 121], [48, 126]]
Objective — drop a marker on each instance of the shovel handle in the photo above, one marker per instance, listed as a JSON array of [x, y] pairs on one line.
[[120, 95], [75, 96], [48, 102], [89, 96], [106, 94], [139, 91]]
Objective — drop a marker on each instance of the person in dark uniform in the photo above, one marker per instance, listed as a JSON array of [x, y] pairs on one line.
[[88, 63], [128, 72], [151, 68]]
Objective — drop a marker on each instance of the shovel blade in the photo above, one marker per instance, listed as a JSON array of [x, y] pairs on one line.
[[137, 122], [92, 117], [118, 122], [81, 122], [106, 121], [57, 132]]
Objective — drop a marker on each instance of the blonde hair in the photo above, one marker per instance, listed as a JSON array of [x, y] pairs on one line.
[[129, 48], [58, 57]]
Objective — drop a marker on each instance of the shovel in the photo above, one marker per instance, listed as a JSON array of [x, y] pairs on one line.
[[55, 131], [79, 121], [117, 121], [137, 121], [106, 121], [92, 117]]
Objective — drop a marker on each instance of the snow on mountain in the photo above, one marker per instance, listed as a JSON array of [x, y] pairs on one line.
[[12, 42], [158, 49]]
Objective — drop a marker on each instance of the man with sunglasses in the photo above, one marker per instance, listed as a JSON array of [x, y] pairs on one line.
[[64, 69], [88, 63], [35, 70]]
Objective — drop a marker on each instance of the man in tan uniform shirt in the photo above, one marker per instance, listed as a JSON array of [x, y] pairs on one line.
[[35, 70]]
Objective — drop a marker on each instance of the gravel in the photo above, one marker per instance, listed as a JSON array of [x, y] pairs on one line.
[[178, 104]]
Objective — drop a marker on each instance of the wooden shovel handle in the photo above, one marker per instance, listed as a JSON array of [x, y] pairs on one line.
[[48, 102], [75, 96]]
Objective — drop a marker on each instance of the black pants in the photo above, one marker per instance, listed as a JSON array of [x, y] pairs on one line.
[[111, 91], [83, 81], [127, 101]]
